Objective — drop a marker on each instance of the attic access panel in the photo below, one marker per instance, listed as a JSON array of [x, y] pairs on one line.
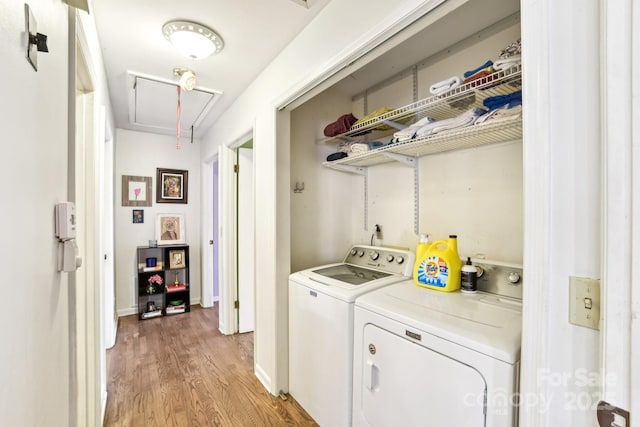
[[153, 104]]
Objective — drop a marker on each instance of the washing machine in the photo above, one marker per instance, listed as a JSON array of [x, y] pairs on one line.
[[321, 326], [428, 358]]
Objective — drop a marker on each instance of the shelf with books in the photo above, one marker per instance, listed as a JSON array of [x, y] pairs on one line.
[[162, 271]]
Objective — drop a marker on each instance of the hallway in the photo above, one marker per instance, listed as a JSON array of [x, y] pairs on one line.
[[181, 371]]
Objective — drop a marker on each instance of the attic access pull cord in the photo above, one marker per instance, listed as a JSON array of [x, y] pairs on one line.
[[178, 112]]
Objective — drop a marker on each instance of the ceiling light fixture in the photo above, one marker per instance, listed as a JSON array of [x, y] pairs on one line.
[[192, 40], [187, 78]]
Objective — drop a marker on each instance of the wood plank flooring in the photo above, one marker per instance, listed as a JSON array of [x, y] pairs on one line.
[[181, 371]]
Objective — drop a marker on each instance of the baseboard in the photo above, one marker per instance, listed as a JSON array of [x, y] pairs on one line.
[[264, 379], [127, 311]]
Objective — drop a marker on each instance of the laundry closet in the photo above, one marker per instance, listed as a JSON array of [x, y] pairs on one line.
[[471, 185], [368, 167]]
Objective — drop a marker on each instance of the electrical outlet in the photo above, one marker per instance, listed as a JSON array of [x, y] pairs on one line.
[[378, 232], [584, 302]]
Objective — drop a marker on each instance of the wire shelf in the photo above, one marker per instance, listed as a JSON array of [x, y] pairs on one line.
[[472, 136], [443, 106]]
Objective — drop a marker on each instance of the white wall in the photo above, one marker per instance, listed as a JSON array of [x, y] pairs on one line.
[[321, 226], [139, 154], [35, 323]]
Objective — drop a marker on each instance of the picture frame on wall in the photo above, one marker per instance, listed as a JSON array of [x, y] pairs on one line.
[[172, 185], [136, 190], [138, 216], [170, 229]]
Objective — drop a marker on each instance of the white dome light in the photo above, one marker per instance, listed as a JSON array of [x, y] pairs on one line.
[[192, 40]]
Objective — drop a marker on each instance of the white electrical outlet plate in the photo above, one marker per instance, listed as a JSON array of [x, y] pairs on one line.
[[584, 302]]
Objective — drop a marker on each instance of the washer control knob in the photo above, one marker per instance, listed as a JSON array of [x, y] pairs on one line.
[[389, 258], [480, 271], [353, 252], [374, 255], [360, 253], [400, 260], [513, 277]]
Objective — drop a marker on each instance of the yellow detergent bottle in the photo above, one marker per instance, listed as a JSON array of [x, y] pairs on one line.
[[438, 265], [421, 254]]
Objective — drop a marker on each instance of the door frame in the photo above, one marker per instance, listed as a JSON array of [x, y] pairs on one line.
[[86, 331], [228, 313], [620, 290]]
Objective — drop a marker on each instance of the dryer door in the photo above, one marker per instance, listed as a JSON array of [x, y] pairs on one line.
[[406, 384]]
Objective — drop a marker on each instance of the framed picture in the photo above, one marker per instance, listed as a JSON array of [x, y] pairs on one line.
[[138, 216], [171, 185], [176, 259], [170, 229], [136, 190]]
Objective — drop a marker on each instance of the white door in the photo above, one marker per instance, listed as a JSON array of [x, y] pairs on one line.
[[227, 241], [410, 385], [215, 240], [246, 239]]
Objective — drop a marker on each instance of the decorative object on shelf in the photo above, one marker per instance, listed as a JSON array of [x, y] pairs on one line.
[[151, 261], [136, 190], [171, 185], [153, 243], [170, 229], [176, 282], [176, 260], [155, 280], [138, 216], [151, 306]]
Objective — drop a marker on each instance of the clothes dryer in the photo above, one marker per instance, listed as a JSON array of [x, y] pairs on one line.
[[429, 358], [321, 326]]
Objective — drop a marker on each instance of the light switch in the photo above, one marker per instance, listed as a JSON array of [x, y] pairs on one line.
[[584, 302]]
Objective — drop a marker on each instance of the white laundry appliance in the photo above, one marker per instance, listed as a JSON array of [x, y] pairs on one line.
[[428, 358], [321, 326]]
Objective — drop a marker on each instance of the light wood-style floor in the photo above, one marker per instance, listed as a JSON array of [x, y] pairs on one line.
[[181, 371]]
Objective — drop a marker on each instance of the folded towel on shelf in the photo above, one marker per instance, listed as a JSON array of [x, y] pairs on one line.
[[501, 114], [376, 144], [336, 156], [410, 131], [445, 85], [512, 99], [343, 146], [341, 125], [475, 70], [479, 74], [376, 113], [514, 48], [460, 121], [358, 148], [506, 63]]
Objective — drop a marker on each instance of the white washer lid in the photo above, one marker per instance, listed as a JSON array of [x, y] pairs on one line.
[[482, 322]]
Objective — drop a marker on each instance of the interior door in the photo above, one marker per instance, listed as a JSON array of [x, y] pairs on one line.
[[246, 239], [405, 384], [227, 240]]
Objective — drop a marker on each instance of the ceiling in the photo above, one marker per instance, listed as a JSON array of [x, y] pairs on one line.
[[139, 61]]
